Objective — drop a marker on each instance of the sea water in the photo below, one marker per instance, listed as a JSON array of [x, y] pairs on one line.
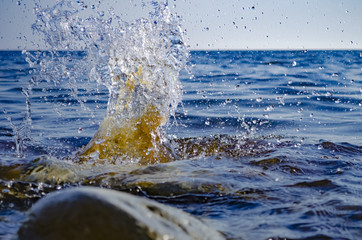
[[267, 144]]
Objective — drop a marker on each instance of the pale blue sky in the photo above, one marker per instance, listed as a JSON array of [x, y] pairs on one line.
[[223, 24]]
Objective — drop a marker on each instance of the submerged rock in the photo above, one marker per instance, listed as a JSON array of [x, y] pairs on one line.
[[94, 213]]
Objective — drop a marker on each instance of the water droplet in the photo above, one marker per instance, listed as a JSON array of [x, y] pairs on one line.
[[269, 108], [259, 99]]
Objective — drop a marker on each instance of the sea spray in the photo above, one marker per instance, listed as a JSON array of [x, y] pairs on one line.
[[137, 62], [22, 131]]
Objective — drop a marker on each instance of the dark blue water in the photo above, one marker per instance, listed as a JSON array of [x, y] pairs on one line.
[[270, 142]]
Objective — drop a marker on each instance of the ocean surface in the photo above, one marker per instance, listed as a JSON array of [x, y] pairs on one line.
[[269, 142]]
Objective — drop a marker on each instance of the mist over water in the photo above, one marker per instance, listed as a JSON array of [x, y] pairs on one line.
[[262, 144]]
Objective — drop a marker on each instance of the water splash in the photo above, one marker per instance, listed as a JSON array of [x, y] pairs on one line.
[[22, 131], [137, 62]]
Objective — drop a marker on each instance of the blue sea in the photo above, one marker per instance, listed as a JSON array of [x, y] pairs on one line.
[[269, 142]]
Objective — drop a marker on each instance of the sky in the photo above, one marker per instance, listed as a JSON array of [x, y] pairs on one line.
[[221, 24]]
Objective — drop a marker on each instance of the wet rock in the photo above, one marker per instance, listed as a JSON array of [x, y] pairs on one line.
[[94, 213]]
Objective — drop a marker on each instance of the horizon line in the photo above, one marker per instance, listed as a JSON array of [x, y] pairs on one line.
[[213, 49]]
